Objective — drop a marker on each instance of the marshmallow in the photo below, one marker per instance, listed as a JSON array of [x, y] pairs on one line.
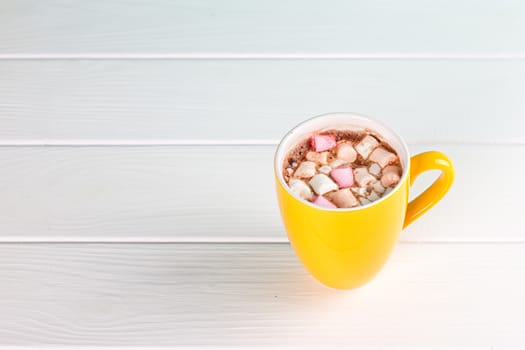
[[337, 163], [382, 157], [325, 169], [391, 175], [392, 168], [322, 184], [305, 170], [346, 152], [373, 197], [364, 201], [374, 169], [321, 158], [322, 143], [343, 176], [343, 198], [323, 202], [362, 177], [301, 189], [360, 191], [289, 171], [367, 145], [377, 187], [388, 190]]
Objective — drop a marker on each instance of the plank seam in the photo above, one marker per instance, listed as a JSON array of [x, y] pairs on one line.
[[215, 240], [262, 56], [211, 142]]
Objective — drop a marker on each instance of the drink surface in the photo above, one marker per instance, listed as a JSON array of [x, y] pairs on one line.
[[342, 168]]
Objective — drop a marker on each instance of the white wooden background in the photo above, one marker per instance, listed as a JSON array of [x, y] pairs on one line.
[[110, 112]]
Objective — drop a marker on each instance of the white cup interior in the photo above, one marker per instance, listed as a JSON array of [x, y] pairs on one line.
[[338, 121]]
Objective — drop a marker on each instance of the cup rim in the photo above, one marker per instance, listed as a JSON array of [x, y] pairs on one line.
[[280, 178]]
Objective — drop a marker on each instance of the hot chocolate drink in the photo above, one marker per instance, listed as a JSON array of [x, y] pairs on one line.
[[342, 168]]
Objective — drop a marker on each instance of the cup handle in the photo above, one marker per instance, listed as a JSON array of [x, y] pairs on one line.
[[419, 164]]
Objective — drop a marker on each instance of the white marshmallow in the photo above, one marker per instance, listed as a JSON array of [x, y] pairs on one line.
[[343, 198], [360, 191], [305, 170], [362, 177], [289, 171], [366, 146], [382, 157], [364, 201], [373, 197], [378, 187], [374, 169], [325, 169], [337, 163], [321, 158], [322, 184], [392, 168], [389, 179], [391, 175], [301, 189], [346, 152]]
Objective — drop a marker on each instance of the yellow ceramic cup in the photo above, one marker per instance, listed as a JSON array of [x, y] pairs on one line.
[[345, 248]]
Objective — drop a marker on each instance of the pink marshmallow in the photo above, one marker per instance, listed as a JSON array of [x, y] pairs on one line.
[[323, 202], [344, 176], [321, 143]]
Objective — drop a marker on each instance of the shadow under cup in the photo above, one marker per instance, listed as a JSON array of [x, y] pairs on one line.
[[345, 248]]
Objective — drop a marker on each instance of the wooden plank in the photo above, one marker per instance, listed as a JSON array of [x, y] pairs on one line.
[[134, 102], [261, 28], [427, 296], [167, 194]]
